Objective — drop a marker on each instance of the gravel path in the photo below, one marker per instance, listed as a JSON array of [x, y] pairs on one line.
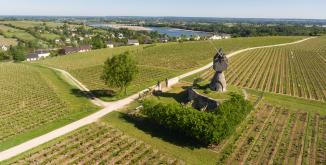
[[108, 107]]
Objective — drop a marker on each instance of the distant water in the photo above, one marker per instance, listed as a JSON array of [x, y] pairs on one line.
[[177, 32], [174, 32]]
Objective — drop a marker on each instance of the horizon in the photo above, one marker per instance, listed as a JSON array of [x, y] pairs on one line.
[[300, 9]]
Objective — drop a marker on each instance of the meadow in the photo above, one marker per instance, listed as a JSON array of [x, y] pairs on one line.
[[10, 32], [155, 62], [35, 100]]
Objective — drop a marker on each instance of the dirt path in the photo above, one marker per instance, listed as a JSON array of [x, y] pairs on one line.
[[108, 107]]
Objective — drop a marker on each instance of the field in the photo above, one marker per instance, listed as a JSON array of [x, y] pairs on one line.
[[297, 70], [29, 24], [163, 60], [97, 143], [10, 32], [35, 100], [275, 135], [7, 41]]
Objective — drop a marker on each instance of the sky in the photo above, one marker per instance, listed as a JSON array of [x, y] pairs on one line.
[[310, 9]]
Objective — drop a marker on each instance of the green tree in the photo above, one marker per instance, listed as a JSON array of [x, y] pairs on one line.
[[17, 53], [98, 43], [119, 71]]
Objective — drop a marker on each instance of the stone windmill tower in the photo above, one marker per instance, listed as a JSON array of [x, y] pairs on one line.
[[220, 64]]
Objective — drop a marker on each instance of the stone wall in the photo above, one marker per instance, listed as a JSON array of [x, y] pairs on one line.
[[202, 102]]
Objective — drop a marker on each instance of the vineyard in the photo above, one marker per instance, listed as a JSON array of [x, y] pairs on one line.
[[10, 32], [7, 41], [297, 70], [157, 62], [274, 135], [33, 98], [97, 143]]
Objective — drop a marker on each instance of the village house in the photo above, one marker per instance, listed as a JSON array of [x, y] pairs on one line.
[[110, 44], [85, 48], [120, 36], [37, 55], [70, 50], [196, 38], [4, 48], [226, 36], [133, 42], [68, 40], [215, 37], [57, 41]]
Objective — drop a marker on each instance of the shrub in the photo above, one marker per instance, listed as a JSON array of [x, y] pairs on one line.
[[206, 128]]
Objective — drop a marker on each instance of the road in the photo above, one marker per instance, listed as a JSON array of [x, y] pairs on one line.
[[108, 107]]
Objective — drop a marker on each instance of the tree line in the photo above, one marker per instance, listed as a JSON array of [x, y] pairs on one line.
[[251, 30]]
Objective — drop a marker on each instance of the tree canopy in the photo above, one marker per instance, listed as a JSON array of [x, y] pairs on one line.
[[119, 71]]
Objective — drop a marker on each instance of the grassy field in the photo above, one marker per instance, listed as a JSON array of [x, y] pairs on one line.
[[35, 100], [29, 24], [296, 70], [10, 32], [50, 36], [170, 59]]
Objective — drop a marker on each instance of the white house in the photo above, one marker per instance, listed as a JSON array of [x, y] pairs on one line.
[[4, 48], [226, 36], [37, 55], [120, 36], [133, 42], [68, 40], [197, 38], [215, 37], [57, 40], [110, 44]]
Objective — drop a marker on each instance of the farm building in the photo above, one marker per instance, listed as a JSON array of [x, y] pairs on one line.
[[226, 36], [133, 42], [4, 47], [37, 55]]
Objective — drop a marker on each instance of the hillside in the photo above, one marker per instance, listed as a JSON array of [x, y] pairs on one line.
[[156, 62], [297, 70], [33, 101]]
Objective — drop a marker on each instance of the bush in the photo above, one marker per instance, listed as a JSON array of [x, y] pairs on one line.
[[206, 128]]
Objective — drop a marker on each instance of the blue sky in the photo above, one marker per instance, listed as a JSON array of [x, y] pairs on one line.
[[199, 8]]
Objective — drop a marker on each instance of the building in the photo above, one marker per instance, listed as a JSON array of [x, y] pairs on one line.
[[70, 50], [110, 44], [215, 37], [4, 48], [85, 48], [39, 54], [196, 38], [226, 36], [57, 41], [133, 42]]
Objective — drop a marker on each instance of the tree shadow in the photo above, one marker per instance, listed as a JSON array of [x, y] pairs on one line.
[[161, 132], [93, 93]]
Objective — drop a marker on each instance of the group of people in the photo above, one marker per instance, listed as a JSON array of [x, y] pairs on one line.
[[159, 84]]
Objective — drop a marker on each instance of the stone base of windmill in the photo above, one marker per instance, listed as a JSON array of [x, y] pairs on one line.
[[218, 82]]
